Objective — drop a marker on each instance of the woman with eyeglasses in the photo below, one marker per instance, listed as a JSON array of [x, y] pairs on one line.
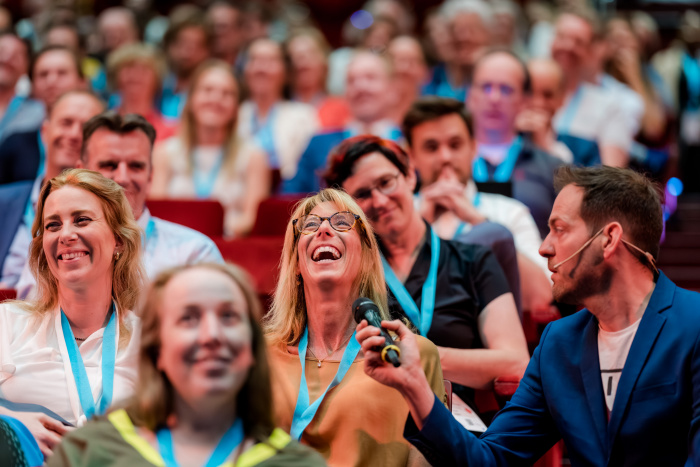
[[455, 294], [203, 395], [321, 394]]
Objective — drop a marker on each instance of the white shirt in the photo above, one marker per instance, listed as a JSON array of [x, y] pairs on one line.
[[632, 103], [613, 348], [596, 115], [167, 245], [510, 213], [35, 367]]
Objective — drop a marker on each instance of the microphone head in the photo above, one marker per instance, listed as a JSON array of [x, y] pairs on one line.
[[360, 306]]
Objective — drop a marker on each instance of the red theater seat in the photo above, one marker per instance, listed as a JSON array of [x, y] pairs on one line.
[[273, 216], [7, 294], [206, 216]]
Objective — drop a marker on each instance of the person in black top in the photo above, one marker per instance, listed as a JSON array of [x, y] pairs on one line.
[[462, 301]]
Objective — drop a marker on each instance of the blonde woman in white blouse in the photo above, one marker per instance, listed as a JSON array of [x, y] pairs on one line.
[[207, 160], [73, 352]]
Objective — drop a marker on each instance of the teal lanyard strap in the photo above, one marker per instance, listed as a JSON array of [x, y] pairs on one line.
[[305, 412], [422, 319], [109, 356], [204, 182], [504, 171], [691, 70], [229, 442]]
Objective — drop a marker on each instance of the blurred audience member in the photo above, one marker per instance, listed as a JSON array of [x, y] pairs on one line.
[[213, 411], [410, 72], [589, 112], [308, 51], [187, 43], [541, 17], [86, 257], [439, 44], [117, 27], [280, 127], [227, 21], [470, 23], [62, 132], [54, 71], [5, 19], [136, 72], [371, 97], [507, 21], [628, 65], [208, 159], [500, 89], [442, 147], [17, 112]]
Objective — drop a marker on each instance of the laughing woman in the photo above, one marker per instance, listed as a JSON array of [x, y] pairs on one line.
[[321, 393], [72, 353], [204, 388]]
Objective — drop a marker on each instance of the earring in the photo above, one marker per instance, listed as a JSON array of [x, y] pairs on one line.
[[116, 256], [299, 279]]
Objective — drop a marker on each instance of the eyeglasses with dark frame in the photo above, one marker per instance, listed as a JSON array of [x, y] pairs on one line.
[[385, 186], [340, 222]]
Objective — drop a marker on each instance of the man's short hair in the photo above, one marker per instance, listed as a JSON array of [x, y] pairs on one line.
[[74, 92], [196, 20], [611, 194], [589, 16], [120, 124], [51, 48], [527, 81], [427, 109], [482, 9]]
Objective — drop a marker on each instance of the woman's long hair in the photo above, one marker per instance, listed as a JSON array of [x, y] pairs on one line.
[[188, 125], [153, 402], [285, 322], [128, 276]]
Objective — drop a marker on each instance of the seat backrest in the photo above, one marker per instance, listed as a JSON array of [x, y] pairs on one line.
[[205, 216], [7, 294], [273, 216]]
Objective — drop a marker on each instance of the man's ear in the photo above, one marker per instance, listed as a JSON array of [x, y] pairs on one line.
[[612, 238]]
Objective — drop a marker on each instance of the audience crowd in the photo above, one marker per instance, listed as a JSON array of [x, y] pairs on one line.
[[482, 166]]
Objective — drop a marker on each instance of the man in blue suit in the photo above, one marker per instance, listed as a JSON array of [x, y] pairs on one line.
[[619, 381]]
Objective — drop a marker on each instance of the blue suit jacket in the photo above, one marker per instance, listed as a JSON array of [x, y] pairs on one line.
[[586, 152], [655, 416], [13, 201]]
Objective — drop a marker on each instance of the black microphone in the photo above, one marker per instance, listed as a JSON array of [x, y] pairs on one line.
[[364, 308]]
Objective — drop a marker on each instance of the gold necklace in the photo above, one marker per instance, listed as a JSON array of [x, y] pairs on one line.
[[321, 360]]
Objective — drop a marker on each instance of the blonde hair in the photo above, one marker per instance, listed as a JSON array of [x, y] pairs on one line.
[[153, 401], [127, 272], [187, 133], [135, 53], [287, 318]]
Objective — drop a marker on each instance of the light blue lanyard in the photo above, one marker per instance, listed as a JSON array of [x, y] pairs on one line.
[[422, 319], [148, 233], [109, 357], [12, 109], [204, 182], [691, 70], [392, 133], [567, 117], [229, 442], [265, 136], [42, 155], [504, 171], [29, 213], [303, 412], [460, 229]]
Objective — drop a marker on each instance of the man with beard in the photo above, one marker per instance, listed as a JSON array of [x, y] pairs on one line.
[[619, 381]]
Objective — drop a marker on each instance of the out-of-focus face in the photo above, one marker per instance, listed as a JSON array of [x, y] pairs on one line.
[[188, 50], [64, 36], [379, 35], [547, 81], [471, 38], [55, 72], [137, 80], [442, 145], [327, 256], [388, 213], [496, 95], [265, 70], [206, 338], [582, 276], [229, 33], [62, 131], [368, 91], [408, 60], [126, 159], [572, 44], [13, 60], [214, 99], [308, 63], [621, 37], [117, 29], [78, 242]]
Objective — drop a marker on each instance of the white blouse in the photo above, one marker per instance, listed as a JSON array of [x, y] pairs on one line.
[[35, 367]]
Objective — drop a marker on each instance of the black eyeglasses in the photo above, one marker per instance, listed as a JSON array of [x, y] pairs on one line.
[[340, 221], [385, 186]]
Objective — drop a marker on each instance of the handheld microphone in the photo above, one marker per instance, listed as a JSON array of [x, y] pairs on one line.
[[364, 308]]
